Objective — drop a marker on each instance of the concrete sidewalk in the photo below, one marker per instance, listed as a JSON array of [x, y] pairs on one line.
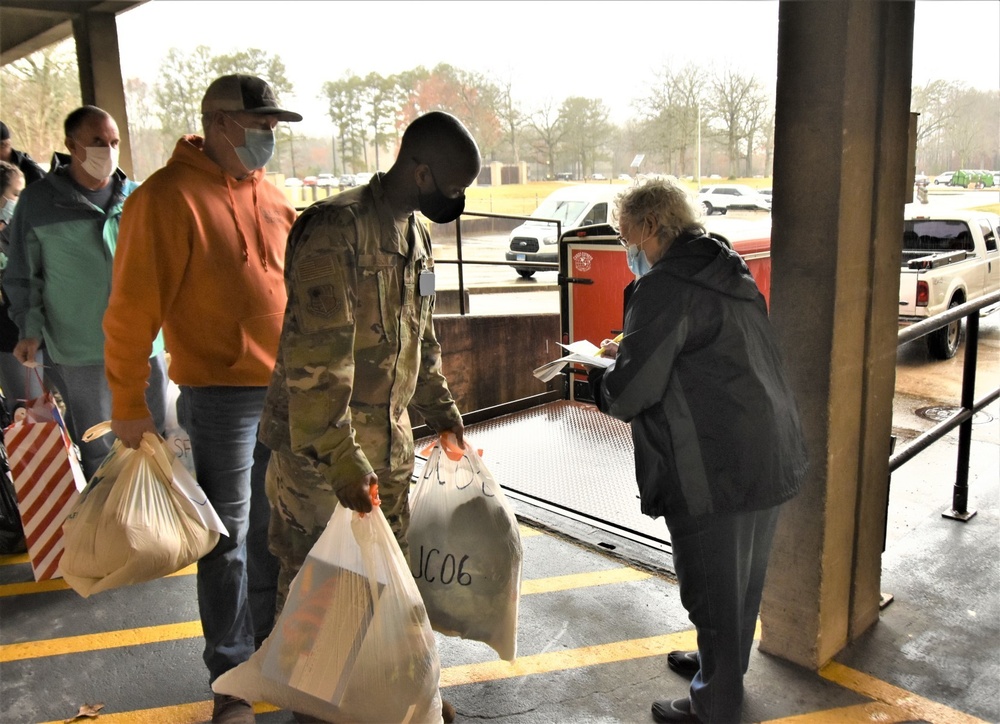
[[598, 616]]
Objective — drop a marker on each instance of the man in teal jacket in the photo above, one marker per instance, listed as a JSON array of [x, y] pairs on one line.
[[58, 278]]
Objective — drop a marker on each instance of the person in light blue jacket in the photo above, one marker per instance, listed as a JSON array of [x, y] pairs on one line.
[[58, 276]]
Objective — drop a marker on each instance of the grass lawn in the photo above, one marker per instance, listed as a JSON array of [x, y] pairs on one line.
[[522, 199]]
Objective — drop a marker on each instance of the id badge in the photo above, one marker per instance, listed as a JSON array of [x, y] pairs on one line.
[[425, 284]]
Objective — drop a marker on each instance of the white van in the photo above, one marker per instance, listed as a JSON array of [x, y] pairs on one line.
[[574, 206]]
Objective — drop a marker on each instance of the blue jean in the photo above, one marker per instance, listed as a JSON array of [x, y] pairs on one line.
[[85, 392], [222, 425], [17, 381], [721, 561]]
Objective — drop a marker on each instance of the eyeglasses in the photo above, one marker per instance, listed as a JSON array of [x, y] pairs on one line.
[[622, 240]]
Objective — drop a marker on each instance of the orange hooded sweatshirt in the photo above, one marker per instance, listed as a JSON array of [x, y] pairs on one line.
[[200, 254]]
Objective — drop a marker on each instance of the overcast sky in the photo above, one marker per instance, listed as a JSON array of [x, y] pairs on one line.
[[548, 49]]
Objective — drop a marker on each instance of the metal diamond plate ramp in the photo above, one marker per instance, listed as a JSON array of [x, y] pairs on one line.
[[570, 458]]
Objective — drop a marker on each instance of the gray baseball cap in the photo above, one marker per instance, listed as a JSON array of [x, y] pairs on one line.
[[244, 94]]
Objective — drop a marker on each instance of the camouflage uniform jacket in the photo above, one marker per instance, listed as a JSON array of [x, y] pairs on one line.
[[358, 343]]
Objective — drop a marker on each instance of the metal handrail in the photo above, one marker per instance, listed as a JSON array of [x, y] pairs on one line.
[[461, 262], [969, 406]]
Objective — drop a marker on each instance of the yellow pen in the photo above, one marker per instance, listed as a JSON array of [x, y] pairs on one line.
[[616, 340]]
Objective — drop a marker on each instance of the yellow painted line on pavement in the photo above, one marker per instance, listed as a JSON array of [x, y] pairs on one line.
[[58, 584], [540, 585], [18, 589], [196, 712], [571, 659], [14, 559], [873, 711], [457, 675], [582, 580], [19, 558], [917, 707], [192, 629], [97, 642], [891, 704]]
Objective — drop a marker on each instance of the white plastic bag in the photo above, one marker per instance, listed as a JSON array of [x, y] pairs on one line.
[[465, 548], [352, 643], [141, 517]]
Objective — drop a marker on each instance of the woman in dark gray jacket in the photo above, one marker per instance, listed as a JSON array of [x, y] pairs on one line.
[[718, 444]]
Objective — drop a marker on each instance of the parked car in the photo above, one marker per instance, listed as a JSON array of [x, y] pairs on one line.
[[346, 181], [564, 176], [624, 177], [292, 181], [362, 178], [766, 193], [327, 180], [597, 177], [574, 206], [943, 179], [309, 181], [721, 198]]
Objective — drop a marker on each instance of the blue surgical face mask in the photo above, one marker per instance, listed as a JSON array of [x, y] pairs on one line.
[[637, 260], [257, 148], [7, 212]]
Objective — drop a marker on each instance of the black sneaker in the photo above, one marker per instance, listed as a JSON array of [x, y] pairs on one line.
[[685, 663], [676, 710]]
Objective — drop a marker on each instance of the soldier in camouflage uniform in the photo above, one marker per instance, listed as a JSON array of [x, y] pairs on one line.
[[358, 345]]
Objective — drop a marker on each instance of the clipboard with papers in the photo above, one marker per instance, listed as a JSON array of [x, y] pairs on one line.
[[583, 352]]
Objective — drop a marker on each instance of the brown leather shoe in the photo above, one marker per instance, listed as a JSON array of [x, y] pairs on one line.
[[232, 710], [447, 711]]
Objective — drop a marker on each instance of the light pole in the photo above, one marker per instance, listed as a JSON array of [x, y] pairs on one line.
[[291, 148], [698, 155]]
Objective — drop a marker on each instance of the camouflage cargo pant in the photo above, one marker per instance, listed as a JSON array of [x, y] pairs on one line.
[[302, 503]]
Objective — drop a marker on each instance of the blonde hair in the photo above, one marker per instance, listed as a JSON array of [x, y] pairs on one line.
[[8, 172], [664, 201]]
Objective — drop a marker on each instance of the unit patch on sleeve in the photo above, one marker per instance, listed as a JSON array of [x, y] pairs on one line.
[[322, 300]]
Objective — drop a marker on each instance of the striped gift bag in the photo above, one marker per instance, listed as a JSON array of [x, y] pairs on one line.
[[48, 480]]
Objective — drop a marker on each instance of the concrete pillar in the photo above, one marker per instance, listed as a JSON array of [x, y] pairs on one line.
[[496, 173], [840, 168], [101, 84]]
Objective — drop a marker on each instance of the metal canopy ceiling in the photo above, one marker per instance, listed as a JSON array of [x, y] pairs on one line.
[[30, 25]]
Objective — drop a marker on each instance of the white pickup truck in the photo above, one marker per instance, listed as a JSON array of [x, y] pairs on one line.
[[950, 256]]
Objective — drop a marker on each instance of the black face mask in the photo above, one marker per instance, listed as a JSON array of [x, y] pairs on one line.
[[439, 208]]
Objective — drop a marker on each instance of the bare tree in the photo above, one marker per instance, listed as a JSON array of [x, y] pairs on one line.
[[179, 89], [549, 128], [671, 112], [511, 116], [144, 132], [768, 132], [754, 117], [951, 116], [731, 98], [39, 91]]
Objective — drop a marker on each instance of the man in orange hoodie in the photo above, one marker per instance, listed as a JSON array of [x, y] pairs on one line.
[[201, 254]]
